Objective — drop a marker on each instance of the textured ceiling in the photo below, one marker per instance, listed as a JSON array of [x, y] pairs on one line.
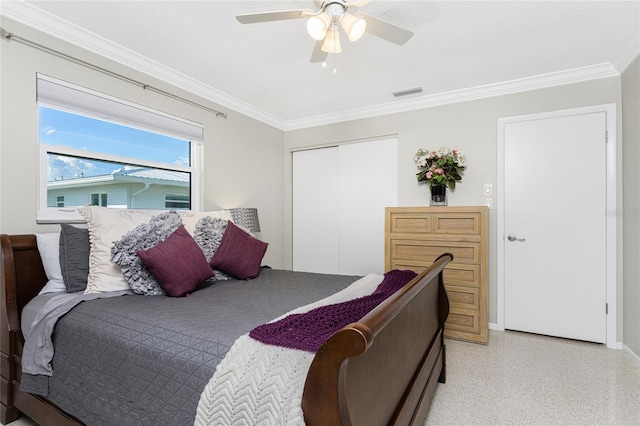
[[265, 67]]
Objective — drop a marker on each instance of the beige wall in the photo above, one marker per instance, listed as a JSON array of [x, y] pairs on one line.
[[470, 126], [242, 156], [245, 165], [631, 212]]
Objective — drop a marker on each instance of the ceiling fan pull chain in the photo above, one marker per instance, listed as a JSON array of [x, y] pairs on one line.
[[335, 67]]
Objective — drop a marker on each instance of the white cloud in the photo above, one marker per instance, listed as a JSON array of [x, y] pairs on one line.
[[61, 167], [182, 161]]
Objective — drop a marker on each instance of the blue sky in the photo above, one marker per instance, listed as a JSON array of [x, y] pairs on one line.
[[80, 132]]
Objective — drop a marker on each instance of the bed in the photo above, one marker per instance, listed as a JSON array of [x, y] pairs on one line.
[[382, 369]]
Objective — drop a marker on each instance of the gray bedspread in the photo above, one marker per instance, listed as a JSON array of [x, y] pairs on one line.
[[144, 360]]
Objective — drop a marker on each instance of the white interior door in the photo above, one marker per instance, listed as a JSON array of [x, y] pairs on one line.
[[555, 226]]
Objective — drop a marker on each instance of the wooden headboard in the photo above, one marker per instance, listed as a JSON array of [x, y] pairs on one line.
[[23, 274]]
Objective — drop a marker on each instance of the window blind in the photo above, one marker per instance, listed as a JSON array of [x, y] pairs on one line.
[[63, 95]]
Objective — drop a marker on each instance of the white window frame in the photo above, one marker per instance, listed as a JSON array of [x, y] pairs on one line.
[[99, 194], [75, 99]]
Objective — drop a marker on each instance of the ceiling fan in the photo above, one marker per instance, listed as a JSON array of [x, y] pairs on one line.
[[323, 25]]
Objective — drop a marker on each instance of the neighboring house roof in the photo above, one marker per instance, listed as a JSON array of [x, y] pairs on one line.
[[142, 175], [154, 174]]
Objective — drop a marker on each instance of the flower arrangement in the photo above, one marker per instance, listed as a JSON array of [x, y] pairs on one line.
[[441, 167]]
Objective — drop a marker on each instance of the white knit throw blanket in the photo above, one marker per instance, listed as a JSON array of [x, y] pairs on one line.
[[259, 384]]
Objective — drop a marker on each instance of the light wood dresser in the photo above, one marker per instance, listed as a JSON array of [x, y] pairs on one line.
[[416, 236]]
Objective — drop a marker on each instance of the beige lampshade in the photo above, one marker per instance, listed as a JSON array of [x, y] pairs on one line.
[[353, 26], [332, 41], [317, 26]]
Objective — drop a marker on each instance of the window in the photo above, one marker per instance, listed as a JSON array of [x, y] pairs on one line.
[[98, 200], [104, 151], [177, 201]]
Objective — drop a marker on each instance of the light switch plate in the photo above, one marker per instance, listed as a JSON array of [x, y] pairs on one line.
[[488, 202], [488, 189]]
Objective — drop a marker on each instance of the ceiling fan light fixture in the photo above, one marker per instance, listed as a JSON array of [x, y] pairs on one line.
[[332, 41], [317, 25], [354, 26], [324, 25]]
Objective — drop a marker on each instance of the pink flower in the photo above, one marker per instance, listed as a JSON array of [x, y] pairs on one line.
[[429, 174], [432, 154], [439, 171]]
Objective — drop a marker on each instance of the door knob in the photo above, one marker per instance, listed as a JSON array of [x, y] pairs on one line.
[[512, 237]]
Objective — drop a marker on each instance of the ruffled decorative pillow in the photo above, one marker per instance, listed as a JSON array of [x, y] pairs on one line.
[[208, 234], [143, 237], [191, 219]]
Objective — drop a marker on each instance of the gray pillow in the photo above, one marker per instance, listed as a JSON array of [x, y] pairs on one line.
[[74, 257], [143, 237], [208, 234]]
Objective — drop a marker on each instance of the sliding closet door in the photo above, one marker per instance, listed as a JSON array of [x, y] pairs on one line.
[[368, 183], [338, 213], [315, 213]]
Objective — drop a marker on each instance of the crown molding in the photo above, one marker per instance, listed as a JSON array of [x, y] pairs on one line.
[[37, 18], [47, 23], [490, 90]]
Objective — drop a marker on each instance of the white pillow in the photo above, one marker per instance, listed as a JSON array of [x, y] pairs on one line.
[[49, 249], [106, 226], [189, 219]]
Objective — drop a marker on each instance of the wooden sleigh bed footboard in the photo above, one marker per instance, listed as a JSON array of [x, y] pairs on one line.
[[383, 370], [380, 370]]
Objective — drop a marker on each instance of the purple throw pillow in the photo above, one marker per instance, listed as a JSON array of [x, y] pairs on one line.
[[239, 254], [177, 263]]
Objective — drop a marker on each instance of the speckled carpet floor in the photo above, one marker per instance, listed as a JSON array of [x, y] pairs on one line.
[[525, 379]]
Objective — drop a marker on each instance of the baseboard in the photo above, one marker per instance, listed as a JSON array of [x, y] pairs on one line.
[[618, 345], [634, 356]]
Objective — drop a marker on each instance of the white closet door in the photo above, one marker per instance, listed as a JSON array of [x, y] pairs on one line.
[[339, 197], [315, 211], [368, 184]]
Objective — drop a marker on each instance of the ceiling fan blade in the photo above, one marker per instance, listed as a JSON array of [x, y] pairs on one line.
[[253, 18], [318, 54], [318, 3], [386, 30]]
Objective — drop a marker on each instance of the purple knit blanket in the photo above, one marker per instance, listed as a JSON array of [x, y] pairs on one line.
[[308, 331]]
